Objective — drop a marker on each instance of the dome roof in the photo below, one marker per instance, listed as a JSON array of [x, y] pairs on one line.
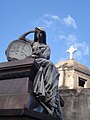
[[72, 64]]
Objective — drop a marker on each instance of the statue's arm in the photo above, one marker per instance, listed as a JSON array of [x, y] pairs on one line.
[[46, 53], [22, 37]]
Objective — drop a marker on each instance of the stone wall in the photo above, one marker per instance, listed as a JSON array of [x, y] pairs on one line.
[[77, 104]]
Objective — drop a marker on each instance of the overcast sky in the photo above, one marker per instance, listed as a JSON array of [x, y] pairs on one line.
[[66, 22]]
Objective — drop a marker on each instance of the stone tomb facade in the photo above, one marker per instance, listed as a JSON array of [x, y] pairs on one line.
[[73, 75]]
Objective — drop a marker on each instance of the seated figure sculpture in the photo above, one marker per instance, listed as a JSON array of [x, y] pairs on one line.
[[45, 84]]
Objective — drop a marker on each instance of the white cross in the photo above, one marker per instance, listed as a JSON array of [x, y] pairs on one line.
[[71, 50]]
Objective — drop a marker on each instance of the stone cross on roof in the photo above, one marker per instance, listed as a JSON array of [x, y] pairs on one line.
[[71, 51]]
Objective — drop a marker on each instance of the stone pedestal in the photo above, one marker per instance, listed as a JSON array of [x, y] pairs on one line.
[[18, 69], [16, 91], [16, 83]]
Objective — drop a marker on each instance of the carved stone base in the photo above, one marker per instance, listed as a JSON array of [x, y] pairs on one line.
[[15, 93]]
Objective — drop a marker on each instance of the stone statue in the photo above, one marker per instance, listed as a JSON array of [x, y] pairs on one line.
[[45, 84]]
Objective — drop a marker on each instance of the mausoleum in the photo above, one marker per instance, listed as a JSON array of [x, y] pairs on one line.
[[73, 74]]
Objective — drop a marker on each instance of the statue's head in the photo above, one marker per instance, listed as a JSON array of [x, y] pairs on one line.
[[40, 35]]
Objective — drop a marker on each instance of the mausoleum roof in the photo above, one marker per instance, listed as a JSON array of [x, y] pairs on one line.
[[74, 65]]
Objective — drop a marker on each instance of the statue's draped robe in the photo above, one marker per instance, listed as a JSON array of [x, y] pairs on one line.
[[46, 80]]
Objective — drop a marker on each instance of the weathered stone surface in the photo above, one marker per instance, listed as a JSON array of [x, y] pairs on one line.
[[15, 93], [18, 101], [15, 86], [72, 64], [77, 104], [19, 68]]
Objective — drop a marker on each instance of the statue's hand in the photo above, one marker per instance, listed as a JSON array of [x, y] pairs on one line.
[[34, 56]]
